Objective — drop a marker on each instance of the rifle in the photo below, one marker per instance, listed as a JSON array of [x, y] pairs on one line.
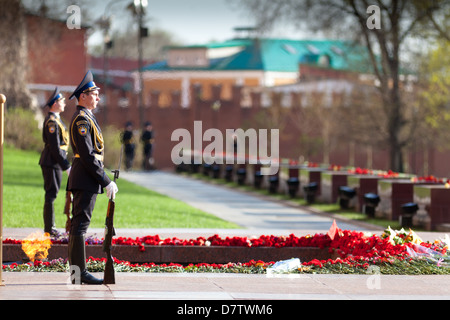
[[109, 277], [67, 210]]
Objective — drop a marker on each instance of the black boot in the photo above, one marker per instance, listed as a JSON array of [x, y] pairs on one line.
[[49, 219], [77, 261]]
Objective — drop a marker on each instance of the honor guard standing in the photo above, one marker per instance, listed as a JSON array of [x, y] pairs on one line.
[[87, 177], [129, 146], [147, 140], [53, 159]]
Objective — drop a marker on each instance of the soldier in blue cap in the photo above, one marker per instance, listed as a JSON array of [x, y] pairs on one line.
[[87, 177], [53, 159]]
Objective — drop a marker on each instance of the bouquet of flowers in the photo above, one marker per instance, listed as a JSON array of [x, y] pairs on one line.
[[433, 252]]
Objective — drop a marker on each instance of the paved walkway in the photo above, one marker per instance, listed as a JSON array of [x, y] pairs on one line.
[[223, 287], [256, 216]]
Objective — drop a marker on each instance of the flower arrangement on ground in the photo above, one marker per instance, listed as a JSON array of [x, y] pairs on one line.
[[394, 252]]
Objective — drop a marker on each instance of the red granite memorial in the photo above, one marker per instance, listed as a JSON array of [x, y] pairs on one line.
[[433, 206]]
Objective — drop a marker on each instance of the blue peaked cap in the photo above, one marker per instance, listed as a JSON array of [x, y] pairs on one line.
[[86, 85], [56, 95]]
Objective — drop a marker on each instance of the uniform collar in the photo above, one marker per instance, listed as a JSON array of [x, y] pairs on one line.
[[86, 110], [56, 114]]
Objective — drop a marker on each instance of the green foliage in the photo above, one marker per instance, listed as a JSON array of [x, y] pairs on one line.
[[21, 129], [437, 93]]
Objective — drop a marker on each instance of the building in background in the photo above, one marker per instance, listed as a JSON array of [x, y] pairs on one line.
[[114, 75], [57, 56], [241, 62]]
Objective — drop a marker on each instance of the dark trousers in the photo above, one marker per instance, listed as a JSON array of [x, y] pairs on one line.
[[52, 184], [147, 156], [83, 205], [129, 158]]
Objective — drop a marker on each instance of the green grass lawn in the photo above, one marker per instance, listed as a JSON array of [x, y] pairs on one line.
[[136, 207]]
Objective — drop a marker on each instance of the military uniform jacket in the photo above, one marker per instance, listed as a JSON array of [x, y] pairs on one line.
[[86, 139], [56, 139]]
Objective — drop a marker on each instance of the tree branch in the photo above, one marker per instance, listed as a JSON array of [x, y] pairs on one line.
[[441, 32]]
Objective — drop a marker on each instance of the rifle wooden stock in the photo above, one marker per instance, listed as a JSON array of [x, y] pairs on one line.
[[109, 277]]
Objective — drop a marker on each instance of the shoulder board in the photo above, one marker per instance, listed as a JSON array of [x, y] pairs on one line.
[[82, 116], [51, 121]]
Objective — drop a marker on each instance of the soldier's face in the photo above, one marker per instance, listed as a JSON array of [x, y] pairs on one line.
[[60, 105], [91, 99]]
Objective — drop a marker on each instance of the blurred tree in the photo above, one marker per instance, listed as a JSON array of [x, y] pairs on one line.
[[435, 92], [13, 52], [383, 28], [13, 47]]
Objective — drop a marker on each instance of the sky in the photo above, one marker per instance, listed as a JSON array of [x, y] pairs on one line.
[[190, 21]]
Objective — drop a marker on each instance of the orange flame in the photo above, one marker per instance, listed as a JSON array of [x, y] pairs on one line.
[[36, 245]]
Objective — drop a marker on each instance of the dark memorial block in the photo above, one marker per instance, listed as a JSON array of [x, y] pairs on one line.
[[229, 173], [293, 181], [396, 192], [363, 184], [206, 169], [273, 183], [258, 177], [216, 171], [434, 206], [310, 191], [346, 194], [330, 183], [309, 175], [393, 194], [371, 201], [293, 184], [408, 211], [241, 173]]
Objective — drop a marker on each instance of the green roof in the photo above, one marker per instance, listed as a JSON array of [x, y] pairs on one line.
[[214, 45], [280, 55]]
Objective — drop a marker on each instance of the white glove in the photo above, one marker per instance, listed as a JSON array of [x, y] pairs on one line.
[[68, 171], [111, 190]]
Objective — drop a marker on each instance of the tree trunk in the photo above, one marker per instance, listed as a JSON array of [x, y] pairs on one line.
[[13, 64]]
